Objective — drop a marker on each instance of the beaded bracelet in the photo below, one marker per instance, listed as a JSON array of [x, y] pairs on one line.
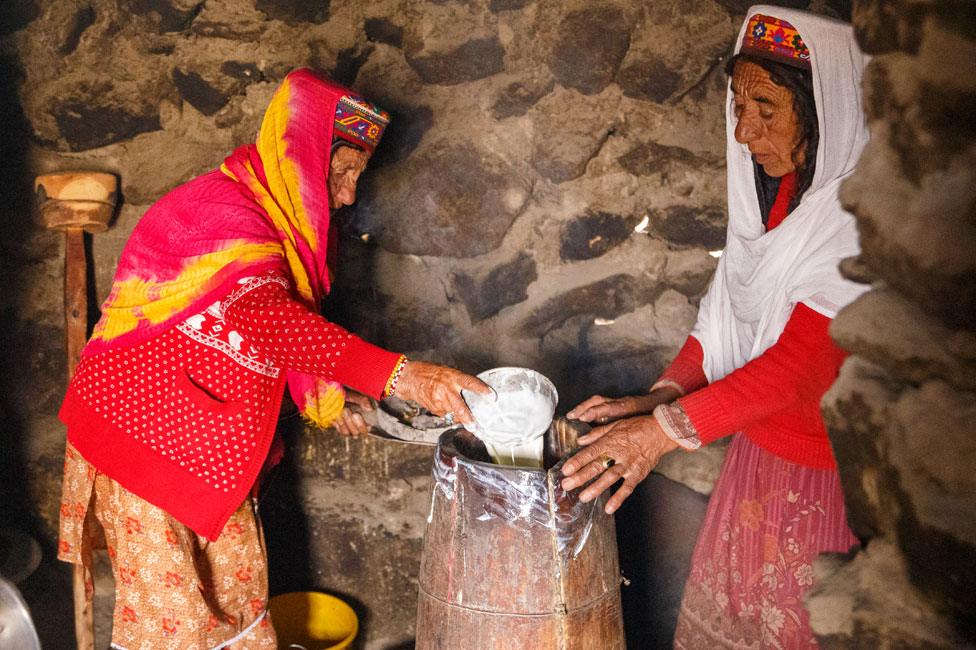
[[391, 383]]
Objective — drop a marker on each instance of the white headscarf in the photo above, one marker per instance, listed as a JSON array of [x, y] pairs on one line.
[[762, 275]]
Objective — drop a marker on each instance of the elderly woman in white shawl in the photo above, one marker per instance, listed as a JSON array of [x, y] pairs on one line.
[[759, 358]]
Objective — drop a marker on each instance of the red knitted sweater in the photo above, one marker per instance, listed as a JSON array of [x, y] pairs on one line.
[[185, 420], [775, 398]]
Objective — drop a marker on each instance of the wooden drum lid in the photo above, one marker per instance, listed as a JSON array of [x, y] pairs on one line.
[[512, 561]]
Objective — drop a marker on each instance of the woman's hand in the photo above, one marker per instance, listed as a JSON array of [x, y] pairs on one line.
[[627, 449], [605, 409], [351, 421], [438, 389]]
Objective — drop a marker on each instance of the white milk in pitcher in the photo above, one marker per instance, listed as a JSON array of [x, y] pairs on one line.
[[513, 421]]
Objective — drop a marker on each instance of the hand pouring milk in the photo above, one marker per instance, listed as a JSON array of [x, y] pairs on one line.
[[513, 421]]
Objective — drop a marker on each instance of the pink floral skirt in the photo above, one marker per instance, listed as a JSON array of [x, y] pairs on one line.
[[767, 521]]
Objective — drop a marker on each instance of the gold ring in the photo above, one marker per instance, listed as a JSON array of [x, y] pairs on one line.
[[607, 461]]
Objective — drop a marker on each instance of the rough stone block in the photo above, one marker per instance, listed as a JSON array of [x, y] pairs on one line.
[[920, 237], [412, 327], [198, 92], [924, 114], [931, 445], [470, 61], [85, 124], [855, 270], [649, 79], [689, 271], [450, 200], [691, 226], [348, 63], [957, 17], [855, 409], [674, 318], [502, 286], [167, 15], [869, 602], [884, 26], [656, 71], [322, 454], [506, 5], [383, 30], [146, 176], [235, 22], [242, 71], [626, 335], [886, 329], [649, 158], [295, 12], [947, 80], [562, 149], [905, 459], [606, 298], [590, 45], [664, 325], [519, 97], [593, 234], [83, 19]]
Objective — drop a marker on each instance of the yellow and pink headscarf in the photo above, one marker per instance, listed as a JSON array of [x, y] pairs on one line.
[[266, 207]]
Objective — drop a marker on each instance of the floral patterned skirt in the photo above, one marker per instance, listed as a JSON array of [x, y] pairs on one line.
[[766, 522], [173, 588]]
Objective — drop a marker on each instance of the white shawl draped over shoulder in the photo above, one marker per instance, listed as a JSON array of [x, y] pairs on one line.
[[762, 275]]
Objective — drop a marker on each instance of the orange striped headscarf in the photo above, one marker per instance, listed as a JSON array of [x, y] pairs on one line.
[[266, 207]]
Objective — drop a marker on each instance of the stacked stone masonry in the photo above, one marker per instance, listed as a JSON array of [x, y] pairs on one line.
[[902, 414]]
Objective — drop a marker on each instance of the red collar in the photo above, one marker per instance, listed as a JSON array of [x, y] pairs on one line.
[[784, 195]]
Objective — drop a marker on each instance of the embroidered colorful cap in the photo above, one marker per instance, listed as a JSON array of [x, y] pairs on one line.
[[776, 40], [360, 121]]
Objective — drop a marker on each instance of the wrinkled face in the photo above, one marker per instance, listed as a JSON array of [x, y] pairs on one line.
[[765, 119], [345, 166]]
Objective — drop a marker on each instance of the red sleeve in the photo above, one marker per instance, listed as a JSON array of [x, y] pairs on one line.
[[298, 339], [798, 368], [686, 369]]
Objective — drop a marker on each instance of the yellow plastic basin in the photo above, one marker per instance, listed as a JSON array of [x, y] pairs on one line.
[[313, 620]]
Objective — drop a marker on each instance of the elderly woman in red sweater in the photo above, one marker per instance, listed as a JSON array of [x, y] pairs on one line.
[[171, 413], [759, 358]]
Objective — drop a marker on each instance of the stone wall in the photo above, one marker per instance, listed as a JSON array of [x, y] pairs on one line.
[[902, 416], [547, 195]]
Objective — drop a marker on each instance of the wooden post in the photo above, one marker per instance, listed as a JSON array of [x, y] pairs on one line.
[[75, 296], [76, 202]]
